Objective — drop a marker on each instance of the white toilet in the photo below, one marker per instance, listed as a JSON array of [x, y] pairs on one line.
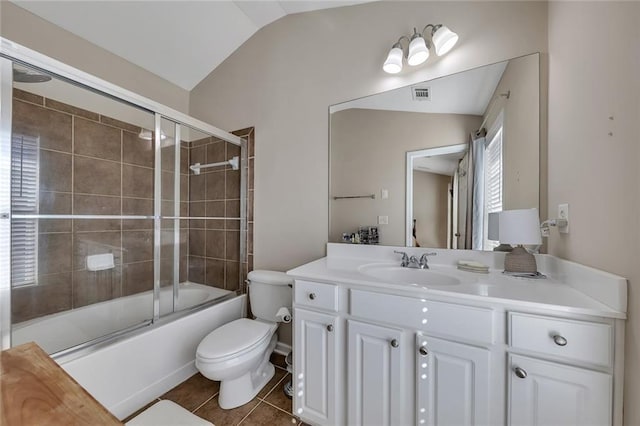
[[237, 353]]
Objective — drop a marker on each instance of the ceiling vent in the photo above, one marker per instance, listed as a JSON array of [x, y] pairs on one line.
[[421, 93]]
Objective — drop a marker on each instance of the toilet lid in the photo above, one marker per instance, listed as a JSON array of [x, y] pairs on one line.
[[232, 338]]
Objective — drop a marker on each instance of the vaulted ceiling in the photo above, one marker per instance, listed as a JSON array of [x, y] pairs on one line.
[[180, 41]]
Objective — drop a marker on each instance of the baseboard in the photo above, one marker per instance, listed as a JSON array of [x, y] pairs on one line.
[[282, 348]]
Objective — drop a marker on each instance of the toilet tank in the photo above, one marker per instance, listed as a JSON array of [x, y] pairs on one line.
[[268, 292]]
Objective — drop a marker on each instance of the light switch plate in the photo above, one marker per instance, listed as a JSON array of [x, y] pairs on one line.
[[384, 194], [383, 220]]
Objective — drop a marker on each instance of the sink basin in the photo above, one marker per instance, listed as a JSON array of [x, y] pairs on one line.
[[399, 275]]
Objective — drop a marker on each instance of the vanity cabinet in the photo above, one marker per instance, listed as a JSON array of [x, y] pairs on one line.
[[452, 383], [315, 365], [374, 380], [559, 371], [366, 358]]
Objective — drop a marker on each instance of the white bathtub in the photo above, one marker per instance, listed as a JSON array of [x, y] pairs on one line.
[[63, 330], [137, 368]]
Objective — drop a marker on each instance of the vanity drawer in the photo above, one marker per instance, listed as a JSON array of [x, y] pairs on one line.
[[316, 295], [434, 318], [584, 341]]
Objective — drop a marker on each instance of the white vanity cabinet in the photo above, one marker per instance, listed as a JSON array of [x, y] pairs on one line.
[[482, 349], [560, 371], [375, 388], [319, 343], [395, 373], [453, 383]]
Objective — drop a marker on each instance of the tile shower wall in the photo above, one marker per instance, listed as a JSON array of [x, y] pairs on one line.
[[214, 244], [93, 164], [89, 164]]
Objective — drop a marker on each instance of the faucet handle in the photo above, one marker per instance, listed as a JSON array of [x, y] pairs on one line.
[[405, 258], [423, 260]]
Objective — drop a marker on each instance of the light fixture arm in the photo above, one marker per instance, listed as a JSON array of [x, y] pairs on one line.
[[399, 45], [434, 28]]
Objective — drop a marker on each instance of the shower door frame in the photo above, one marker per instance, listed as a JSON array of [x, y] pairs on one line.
[[10, 53]]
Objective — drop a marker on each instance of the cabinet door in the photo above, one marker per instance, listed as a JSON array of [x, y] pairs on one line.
[[373, 375], [452, 383], [548, 393], [315, 366]]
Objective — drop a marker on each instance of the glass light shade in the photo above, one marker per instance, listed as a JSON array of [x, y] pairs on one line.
[[418, 52], [519, 227], [443, 40], [393, 64]]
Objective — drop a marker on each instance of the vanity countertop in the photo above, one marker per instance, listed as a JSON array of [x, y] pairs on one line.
[[569, 287]]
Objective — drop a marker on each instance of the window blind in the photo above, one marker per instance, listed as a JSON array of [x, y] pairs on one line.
[[24, 200], [493, 182]]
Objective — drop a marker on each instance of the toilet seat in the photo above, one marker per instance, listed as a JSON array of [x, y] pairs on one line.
[[234, 338]]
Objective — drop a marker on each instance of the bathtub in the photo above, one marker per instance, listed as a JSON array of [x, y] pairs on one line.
[[127, 372]]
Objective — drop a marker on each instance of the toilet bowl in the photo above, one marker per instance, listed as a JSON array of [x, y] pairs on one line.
[[237, 353]]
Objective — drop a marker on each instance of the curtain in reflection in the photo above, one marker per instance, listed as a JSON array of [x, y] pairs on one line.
[[475, 194]]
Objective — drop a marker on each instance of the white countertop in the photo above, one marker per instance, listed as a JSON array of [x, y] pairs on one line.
[[569, 287]]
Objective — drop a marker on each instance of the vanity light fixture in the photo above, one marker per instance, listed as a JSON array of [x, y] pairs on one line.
[[443, 40]]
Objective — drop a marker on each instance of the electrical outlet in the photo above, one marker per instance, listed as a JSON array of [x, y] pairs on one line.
[[383, 220], [563, 213]]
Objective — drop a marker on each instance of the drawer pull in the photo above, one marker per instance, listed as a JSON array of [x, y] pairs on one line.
[[312, 296], [559, 340], [423, 351], [520, 372], [330, 328], [394, 343]]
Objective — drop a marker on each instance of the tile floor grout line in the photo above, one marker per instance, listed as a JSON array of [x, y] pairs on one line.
[[200, 406], [252, 410], [281, 409]]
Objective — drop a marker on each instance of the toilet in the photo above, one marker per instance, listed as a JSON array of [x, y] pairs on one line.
[[237, 353]]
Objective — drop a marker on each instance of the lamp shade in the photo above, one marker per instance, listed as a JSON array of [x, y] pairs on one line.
[[519, 227], [493, 226], [393, 64], [418, 52], [443, 40]]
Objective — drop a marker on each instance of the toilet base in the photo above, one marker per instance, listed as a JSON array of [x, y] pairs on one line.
[[237, 392]]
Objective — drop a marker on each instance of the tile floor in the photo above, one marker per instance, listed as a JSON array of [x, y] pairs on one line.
[[271, 407]]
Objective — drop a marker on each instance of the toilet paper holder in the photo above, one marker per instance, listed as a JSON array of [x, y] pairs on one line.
[[283, 315]]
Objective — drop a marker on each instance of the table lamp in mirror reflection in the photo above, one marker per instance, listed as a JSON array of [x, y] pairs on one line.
[[520, 227]]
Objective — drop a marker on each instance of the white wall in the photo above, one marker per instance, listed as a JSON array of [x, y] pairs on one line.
[[368, 154], [29, 30], [284, 78], [594, 74], [521, 132]]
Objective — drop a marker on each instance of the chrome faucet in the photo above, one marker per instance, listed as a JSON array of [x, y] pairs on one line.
[[413, 262]]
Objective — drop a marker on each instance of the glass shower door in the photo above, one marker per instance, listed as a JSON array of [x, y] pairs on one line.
[[81, 200]]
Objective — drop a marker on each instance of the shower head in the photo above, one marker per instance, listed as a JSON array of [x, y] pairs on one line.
[[24, 75]]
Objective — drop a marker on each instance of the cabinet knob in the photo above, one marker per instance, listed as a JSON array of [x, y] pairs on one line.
[[423, 351], [312, 296], [394, 343], [520, 372], [559, 340], [330, 328]]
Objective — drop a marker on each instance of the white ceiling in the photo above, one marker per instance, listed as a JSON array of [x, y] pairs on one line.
[[467, 92], [181, 41], [442, 164]]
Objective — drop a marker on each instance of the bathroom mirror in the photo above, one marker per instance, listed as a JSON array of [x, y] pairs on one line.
[[400, 160]]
